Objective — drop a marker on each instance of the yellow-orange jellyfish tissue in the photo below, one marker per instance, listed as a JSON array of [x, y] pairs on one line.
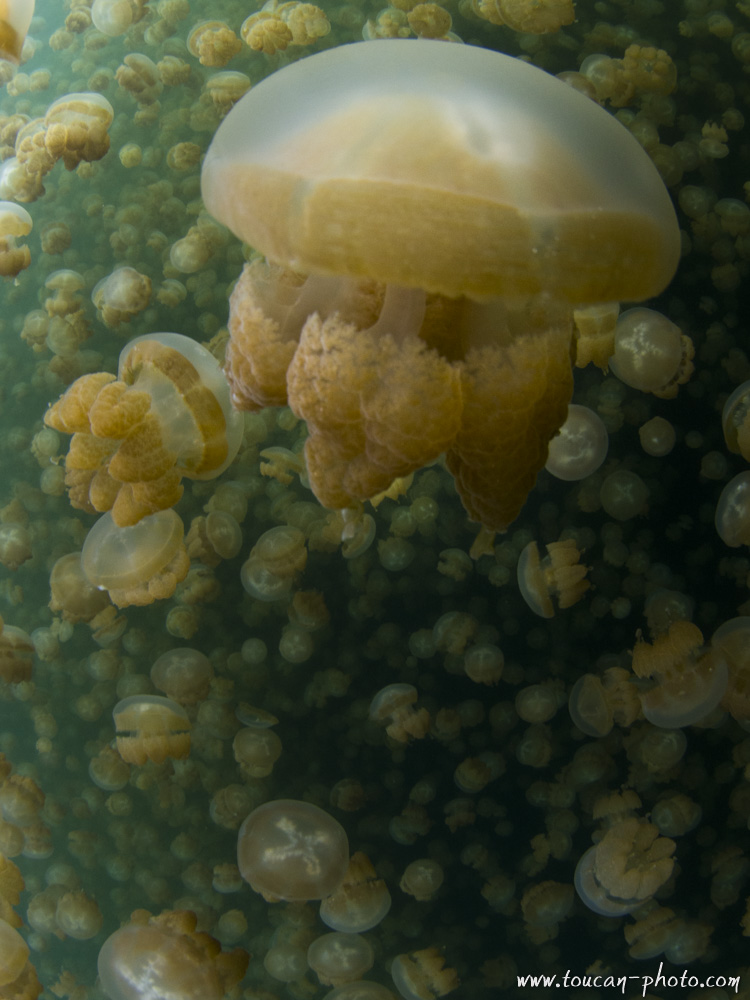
[[13, 953], [150, 727], [15, 18], [166, 416], [732, 518], [164, 956], [431, 214], [138, 564], [292, 850], [15, 222]]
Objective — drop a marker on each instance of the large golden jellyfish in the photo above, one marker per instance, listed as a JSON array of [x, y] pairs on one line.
[[430, 214]]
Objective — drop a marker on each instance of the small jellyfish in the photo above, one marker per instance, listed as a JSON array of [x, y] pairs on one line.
[[183, 674], [165, 956], [138, 564], [340, 958], [423, 974], [360, 902], [394, 705], [689, 680], [292, 850], [15, 222], [558, 575], [274, 563], [114, 17], [579, 447], [651, 353], [732, 518], [150, 727]]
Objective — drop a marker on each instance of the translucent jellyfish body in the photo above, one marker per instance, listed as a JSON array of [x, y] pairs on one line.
[[732, 518], [689, 680], [579, 447], [360, 902], [557, 579], [340, 958], [274, 563], [15, 222], [15, 18], [114, 17], [139, 564], [166, 416], [183, 674], [422, 974], [151, 728], [71, 593], [164, 956], [460, 245], [292, 850], [735, 421], [651, 353]]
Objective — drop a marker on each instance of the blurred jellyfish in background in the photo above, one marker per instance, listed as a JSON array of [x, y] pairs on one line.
[[278, 717]]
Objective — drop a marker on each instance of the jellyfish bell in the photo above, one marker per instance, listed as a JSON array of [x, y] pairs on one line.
[[579, 447], [15, 18], [478, 250], [166, 416], [137, 564], [593, 894], [150, 727], [292, 850], [15, 223]]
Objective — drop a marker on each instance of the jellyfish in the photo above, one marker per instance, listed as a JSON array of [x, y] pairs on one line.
[[413, 302], [292, 850], [15, 222], [165, 956], [360, 902], [138, 564], [15, 18], [150, 727], [166, 416]]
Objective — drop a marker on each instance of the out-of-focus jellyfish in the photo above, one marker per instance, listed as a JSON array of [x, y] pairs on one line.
[[735, 421], [558, 575], [183, 674], [165, 956], [72, 594], [13, 953], [139, 564], [732, 640], [292, 850], [166, 416], [732, 518], [121, 295], [360, 902], [150, 727], [274, 563], [15, 18], [579, 447], [393, 706], [422, 974], [419, 304], [651, 353], [689, 680], [15, 222], [16, 654], [114, 17], [340, 958]]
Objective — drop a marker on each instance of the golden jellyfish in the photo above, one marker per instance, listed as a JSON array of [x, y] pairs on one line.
[[393, 707], [274, 563], [579, 447], [423, 974], [15, 222], [360, 902], [630, 863], [340, 958], [114, 17], [76, 128], [71, 593], [651, 353], [732, 640], [292, 850], [183, 674], [150, 727], [417, 303], [15, 18], [166, 416], [16, 654], [164, 956], [138, 564], [121, 295], [689, 680], [558, 575], [732, 517]]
